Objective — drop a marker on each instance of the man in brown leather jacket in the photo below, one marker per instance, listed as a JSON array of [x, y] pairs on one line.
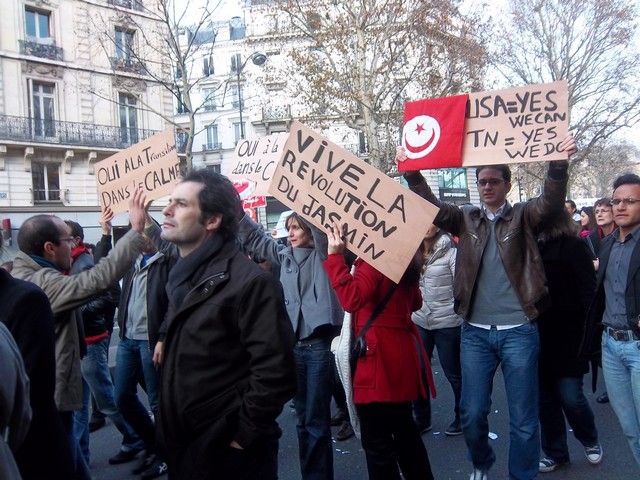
[[500, 290]]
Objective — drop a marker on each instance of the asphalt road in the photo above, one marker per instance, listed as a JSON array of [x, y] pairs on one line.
[[447, 454]]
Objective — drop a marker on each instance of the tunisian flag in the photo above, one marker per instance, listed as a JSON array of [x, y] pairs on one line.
[[433, 133]]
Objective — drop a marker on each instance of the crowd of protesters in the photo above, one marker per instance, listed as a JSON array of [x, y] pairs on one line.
[[222, 324]]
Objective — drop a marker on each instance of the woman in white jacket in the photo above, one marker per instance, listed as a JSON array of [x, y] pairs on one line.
[[437, 322]]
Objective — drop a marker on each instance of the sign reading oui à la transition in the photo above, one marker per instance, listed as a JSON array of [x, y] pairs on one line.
[[151, 165]]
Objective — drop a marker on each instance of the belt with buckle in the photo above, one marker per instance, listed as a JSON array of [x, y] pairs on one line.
[[621, 335]]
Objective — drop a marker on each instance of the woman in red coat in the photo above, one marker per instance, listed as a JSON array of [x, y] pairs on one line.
[[392, 373]]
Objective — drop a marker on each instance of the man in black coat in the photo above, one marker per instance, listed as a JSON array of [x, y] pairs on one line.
[[614, 315], [227, 366], [25, 310]]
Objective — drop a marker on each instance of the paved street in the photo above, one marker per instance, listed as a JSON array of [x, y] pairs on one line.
[[447, 454]]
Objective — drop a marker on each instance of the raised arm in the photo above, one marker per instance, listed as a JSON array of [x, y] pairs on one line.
[[257, 242]]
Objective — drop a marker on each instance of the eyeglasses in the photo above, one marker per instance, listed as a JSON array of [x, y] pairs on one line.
[[69, 240], [491, 181], [602, 210], [625, 201]]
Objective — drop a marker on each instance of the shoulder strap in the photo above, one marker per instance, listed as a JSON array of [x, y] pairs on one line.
[[376, 311]]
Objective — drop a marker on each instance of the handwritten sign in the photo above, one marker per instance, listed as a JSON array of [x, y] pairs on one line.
[[384, 222], [516, 125], [255, 159], [151, 165]]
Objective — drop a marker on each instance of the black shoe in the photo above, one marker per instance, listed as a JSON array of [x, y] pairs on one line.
[[96, 424], [147, 461], [604, 398], [345, 432], [157, 468], [454, 428], [124, 456], [424, 428], [338, 418]]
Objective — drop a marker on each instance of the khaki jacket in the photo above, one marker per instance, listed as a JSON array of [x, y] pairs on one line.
[[515, 231], [68, 292]]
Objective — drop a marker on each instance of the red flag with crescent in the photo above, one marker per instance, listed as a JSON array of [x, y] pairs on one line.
[[433, 133]]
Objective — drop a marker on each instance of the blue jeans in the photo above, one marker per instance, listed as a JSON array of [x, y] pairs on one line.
[[621, 369], [80, 467], [134, 363], [315, 376], [559, 397], [516, 350], [447, 340], [96, 380]]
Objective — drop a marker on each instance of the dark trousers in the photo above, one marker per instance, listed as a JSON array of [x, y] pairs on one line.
[[392, 443], [222, 462], [314, 370], [447, 340], [560, 397]]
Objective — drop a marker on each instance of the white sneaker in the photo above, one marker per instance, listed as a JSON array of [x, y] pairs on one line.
[[478, 474], [594, 454]]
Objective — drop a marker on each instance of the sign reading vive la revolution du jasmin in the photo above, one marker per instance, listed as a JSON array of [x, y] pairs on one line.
[[384, 222], [151, 165]]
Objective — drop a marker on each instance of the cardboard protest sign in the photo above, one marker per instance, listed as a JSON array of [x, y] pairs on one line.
[[151, 165], [384, 222], [516, 125], [255, 159]]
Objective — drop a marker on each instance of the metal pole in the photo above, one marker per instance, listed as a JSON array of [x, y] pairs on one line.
[[239, 69]]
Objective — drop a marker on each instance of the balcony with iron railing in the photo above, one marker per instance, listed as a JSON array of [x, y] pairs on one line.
[[128, 65], [25, 129], [41, 49], [130, 4], [211, 147], [276, 113]]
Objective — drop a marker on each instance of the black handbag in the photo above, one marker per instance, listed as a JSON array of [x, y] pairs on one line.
[[359, 343]]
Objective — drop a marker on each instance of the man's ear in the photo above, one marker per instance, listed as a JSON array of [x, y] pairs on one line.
[[508, 185], [214, 222], [48, 250]]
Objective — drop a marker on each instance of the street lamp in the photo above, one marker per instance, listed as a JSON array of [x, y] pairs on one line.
[[258, 59]]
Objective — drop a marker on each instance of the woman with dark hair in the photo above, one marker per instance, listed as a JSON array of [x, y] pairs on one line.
[[390, 373], [316, 317], [571, 282], [587, 222]]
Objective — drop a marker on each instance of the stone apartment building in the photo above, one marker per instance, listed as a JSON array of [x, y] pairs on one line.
[[74, 89]]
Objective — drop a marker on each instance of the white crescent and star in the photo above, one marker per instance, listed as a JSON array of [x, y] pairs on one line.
[[420, 136]]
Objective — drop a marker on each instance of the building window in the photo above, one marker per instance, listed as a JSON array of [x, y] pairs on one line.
[[235, 100], [124, 44], [128, 118], [212, 138], [182, 108], [215, 167], [37, 24], [46, 181], [236, 62], [209, 102], [452, 178], [237, 132], [207, 66], [363, 147], [42, 108]]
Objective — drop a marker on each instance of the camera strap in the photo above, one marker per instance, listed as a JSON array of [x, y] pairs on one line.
[[376, 312]]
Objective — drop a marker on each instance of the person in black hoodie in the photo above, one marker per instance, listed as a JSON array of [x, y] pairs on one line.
[[571, 282]]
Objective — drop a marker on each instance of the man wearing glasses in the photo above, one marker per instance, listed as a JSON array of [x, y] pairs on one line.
[[500, 290], [614, 317], [45, 243]]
